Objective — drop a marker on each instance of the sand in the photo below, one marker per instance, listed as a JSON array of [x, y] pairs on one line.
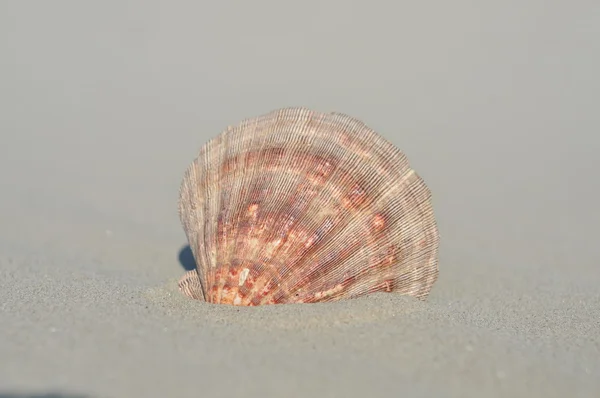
[[104, 105]]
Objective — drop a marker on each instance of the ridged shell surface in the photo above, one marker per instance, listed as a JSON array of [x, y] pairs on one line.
[[298, 206]]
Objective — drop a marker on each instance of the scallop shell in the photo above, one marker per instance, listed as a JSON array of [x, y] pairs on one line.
[[298, 206]]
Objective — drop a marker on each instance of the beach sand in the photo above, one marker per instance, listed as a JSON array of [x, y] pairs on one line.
[[105, 104]]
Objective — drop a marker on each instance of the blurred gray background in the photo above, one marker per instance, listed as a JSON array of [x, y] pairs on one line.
[[105, 103]]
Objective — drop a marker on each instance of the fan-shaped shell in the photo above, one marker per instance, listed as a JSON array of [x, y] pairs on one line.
[[297, 206]]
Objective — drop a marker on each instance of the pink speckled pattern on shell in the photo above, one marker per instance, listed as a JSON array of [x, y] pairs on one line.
[[298, 206]]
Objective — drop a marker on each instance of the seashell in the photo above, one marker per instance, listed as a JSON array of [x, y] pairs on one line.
[[297, 206]]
